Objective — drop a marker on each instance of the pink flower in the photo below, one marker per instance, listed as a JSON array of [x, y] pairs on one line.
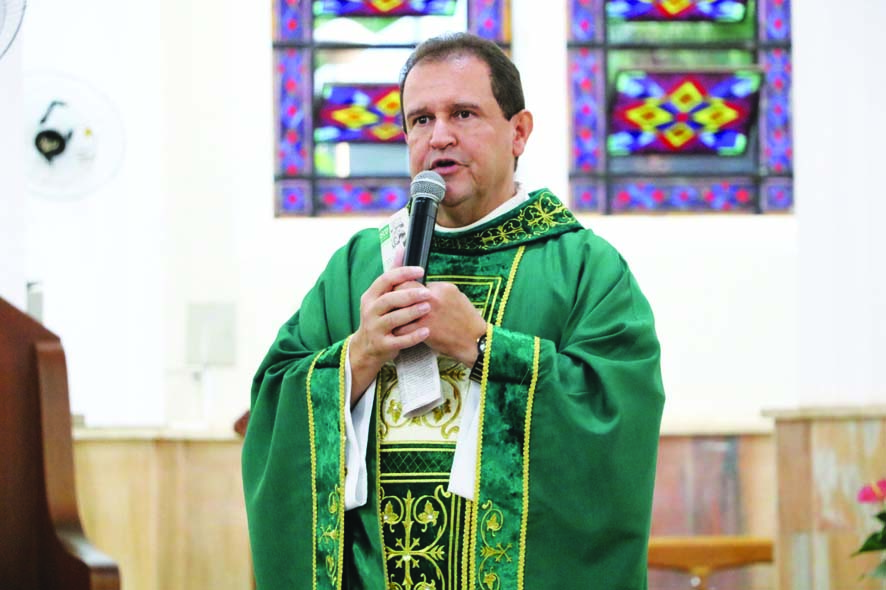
[[876, 492]]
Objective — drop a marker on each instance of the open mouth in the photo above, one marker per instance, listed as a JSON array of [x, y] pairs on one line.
[[443, 164]]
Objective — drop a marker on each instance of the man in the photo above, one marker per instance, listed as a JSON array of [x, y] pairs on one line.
[[536, 470]]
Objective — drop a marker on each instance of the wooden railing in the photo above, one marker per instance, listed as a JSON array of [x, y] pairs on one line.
[[699, 556]]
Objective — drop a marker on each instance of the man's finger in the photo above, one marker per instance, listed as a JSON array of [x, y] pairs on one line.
[[393, 277], [411, 339], [398, 318]]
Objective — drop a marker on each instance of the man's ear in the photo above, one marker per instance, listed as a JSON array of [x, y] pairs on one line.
[[521, 123]]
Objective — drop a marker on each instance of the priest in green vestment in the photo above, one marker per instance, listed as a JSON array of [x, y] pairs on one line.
[[533, 468]]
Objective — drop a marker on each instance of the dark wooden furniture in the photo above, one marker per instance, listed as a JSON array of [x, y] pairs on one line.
[[702, 555], [42, 546], [241, 424]]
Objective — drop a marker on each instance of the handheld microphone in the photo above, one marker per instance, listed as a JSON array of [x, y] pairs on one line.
[[427, 190]]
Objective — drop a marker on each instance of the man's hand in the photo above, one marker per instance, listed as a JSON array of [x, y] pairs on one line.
[[452, 323], [393, 300]]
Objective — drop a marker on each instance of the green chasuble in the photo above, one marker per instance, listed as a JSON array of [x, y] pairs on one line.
[[570, 406]]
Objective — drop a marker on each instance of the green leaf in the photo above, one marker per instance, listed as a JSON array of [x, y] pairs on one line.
[[872, 543], [881, 516], [879, 571]]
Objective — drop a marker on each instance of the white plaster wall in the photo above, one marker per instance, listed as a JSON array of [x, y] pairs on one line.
[[13, 240], [101, 258], [840, 82], [189, 219]]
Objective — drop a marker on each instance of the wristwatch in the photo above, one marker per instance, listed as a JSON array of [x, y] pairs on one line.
[[477, 369]]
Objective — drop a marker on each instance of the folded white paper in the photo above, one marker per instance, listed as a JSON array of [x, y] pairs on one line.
[[418, 378]]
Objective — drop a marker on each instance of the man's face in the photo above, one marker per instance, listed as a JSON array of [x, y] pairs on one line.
[[455, 127]]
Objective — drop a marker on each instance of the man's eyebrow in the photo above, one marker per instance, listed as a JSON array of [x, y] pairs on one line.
[[466, 106], [416, 112], [458, 106]]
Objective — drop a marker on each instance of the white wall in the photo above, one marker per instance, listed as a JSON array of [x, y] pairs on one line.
[[841, 78], [102, 258], [13, 240], [189, 219]]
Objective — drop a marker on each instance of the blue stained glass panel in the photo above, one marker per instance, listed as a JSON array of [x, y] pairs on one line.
[[778, 194], [681, 32], [487, 19], [384, 7], [388, 30], [586, 87], [362, 196], [667, 194], [293, 111], [292, 20], [588, 196], [729, 11], [585, 25], [775, 20], [293, 197], [777, 144]]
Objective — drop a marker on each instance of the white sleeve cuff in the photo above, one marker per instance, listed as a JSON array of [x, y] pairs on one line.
[[357, 421], [463, 476]]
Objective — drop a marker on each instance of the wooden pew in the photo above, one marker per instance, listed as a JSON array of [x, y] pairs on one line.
[[42, 545]]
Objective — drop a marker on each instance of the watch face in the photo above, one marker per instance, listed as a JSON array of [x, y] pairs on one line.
[[481, 344]]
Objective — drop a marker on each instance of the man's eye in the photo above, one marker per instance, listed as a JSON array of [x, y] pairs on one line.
[[422, 120], [463, 114]]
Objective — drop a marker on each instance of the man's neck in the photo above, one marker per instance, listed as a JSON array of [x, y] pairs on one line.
[[519, 198], [467, 213]]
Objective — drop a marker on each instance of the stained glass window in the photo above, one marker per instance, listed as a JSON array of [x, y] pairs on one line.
[[384, 8], [340, 148], [657, 112], [359, 113], [675, 10], [680, 105]]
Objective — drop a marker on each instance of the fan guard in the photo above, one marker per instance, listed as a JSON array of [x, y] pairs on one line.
[[74, 136], [12, 12]]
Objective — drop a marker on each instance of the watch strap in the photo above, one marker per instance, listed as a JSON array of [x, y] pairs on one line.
[[480, 363]]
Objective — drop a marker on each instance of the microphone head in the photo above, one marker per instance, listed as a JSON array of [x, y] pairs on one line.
[[427, 184]]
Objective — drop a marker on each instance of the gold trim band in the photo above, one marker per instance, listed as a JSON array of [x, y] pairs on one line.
[[521, 565], [313, 472], [504, 300]]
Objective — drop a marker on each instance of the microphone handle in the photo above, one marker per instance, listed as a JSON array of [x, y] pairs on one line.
[[421, 232]]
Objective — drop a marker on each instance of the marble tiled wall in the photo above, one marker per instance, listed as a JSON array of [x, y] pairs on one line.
[[716, 485]]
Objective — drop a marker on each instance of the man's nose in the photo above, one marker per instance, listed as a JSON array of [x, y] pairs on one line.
[[442, 135]]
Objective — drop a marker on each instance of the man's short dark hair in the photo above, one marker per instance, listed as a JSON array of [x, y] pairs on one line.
[[503, 75]]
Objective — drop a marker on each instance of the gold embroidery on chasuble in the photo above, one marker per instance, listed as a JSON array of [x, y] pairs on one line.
[[491, 552], [436, 540], [442, 423], [541, 216], [423, 525]]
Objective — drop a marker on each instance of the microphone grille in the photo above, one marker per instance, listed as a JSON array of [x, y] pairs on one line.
[[428, 184]]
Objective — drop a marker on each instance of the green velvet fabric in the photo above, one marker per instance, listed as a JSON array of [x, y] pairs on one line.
[[571, 406]]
